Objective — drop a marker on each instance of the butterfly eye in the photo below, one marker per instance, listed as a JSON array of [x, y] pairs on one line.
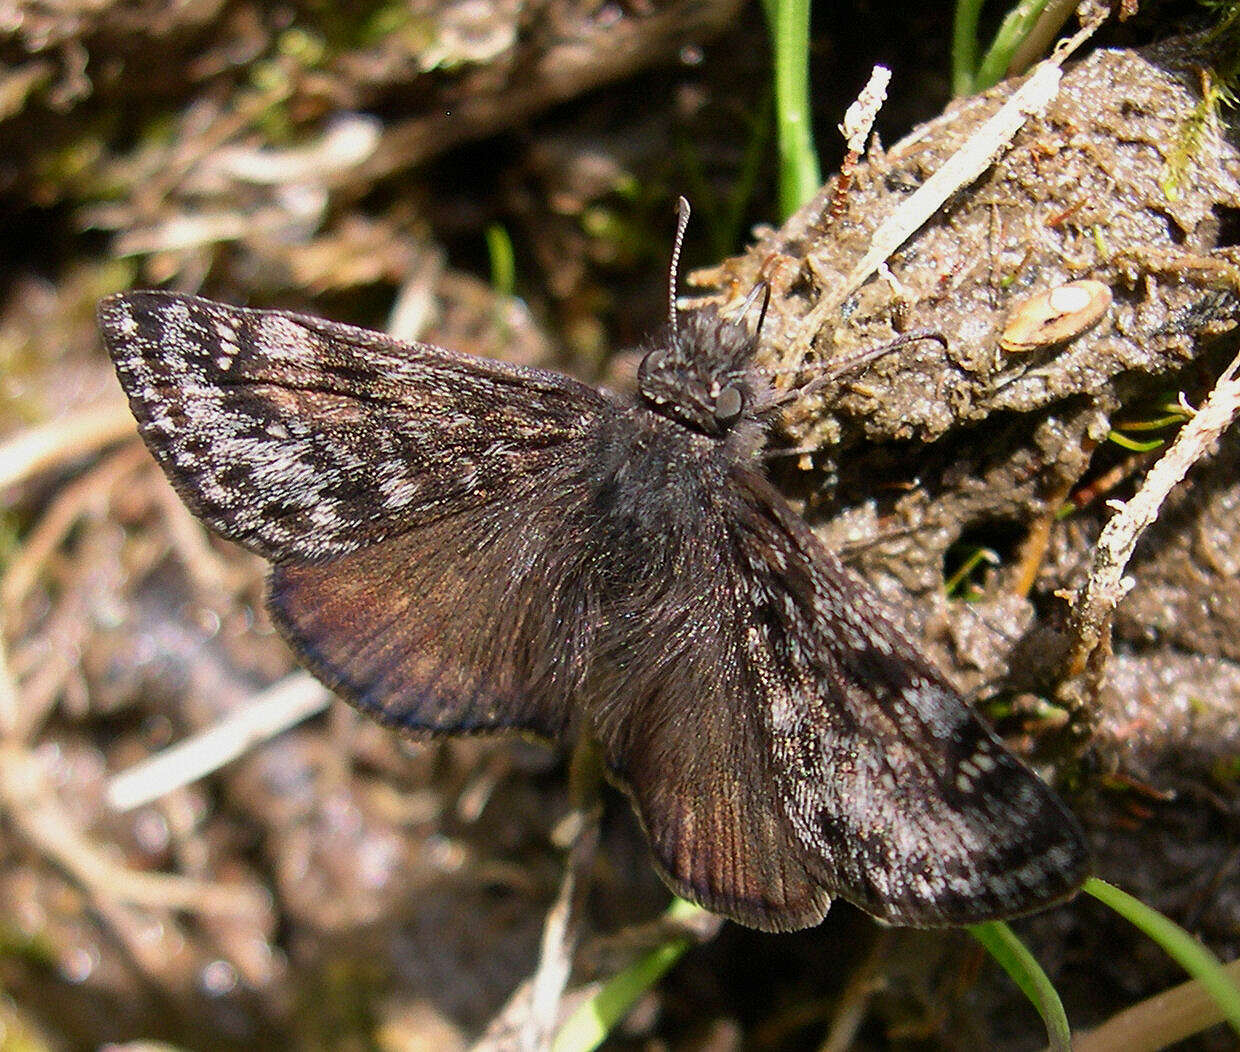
[[728, 404]]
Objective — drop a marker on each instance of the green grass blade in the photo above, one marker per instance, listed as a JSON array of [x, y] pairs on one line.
[[799, 177], [1003, 945], [1134, 445], [1015, 27], [589, 1026], [964, 46], [1178, 944]]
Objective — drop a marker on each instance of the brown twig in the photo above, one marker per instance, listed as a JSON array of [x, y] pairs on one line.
[[586, 55], [82, 497], [859, 119], [1159, 1021]]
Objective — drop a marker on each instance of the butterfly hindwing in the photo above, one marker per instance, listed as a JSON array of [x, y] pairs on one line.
[[784, 743], [476, 622], [676, 699]]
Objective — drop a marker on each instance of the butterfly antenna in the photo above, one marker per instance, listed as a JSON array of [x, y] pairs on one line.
[[760, 289], [838, 367], [682, 221], [835, 368]]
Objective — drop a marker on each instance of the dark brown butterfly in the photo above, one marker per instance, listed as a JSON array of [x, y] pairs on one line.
[[462, 545]]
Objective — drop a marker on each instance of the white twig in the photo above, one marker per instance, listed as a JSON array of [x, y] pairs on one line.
[[288, 702], [559, 939], [349, 140], [1106, 585], [965, 165], [858, 120], [528, 1021]]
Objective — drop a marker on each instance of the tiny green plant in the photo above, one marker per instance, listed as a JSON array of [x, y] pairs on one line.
[[590, 1024], [1170, 414], [960, 584], [503, 260], [1003, 945]]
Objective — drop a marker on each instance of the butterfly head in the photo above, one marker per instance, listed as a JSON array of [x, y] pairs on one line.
[[703, 376]]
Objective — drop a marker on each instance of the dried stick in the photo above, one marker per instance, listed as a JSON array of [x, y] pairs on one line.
[[965, 165], [858, 120], [528, 1021], [72, 503], [68, 438], [1096, 600], [561, 930], [288, 702], [1159, 1021]]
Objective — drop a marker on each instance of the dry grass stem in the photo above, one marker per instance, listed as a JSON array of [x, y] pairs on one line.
[[290, 701], [1157, 1022]]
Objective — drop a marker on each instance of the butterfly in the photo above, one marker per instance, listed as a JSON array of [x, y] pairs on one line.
[[461, 546]]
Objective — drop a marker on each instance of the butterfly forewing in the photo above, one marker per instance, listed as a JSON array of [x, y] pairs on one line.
[[908, 805], [411, 511], [299, 437]]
